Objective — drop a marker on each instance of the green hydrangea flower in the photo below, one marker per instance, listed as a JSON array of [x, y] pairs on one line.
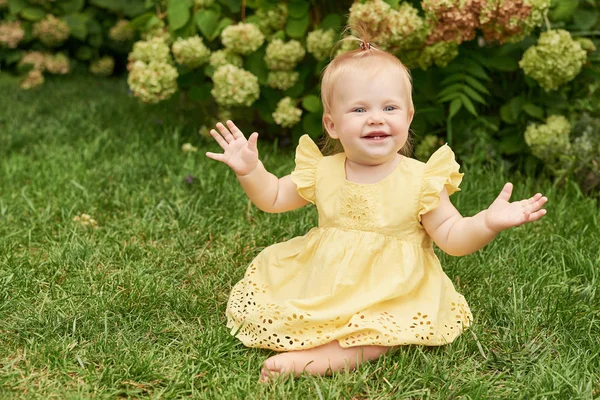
[[550, 140], [428, 145], [34, 79], [287, 114], [234, 86], [121, 31], [190, 52], [223, 57], [555, 60], [103, 66], [51, 31], [282, 80], [242, 38], [272, 19], [152, 82], [11, 34], [282, 56], [319, 43], [57, 64]]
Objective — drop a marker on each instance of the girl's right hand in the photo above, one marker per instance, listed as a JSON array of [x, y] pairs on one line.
[[240, 155]]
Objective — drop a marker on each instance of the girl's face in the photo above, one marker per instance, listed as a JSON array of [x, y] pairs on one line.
[[370, 116]]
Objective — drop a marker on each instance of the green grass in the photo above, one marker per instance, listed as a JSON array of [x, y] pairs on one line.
[[136, 307]]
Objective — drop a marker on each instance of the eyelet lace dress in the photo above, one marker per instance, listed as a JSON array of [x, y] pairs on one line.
[[367, 275]]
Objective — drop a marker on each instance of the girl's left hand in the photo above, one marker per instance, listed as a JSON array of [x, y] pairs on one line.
[[502, 214]]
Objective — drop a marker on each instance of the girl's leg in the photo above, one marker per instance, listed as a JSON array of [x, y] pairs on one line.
[[325, 359]]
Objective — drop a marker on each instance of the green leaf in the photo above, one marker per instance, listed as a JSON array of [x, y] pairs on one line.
[[312, 124], [505, 64], [84, 53], [133, 8], [564, 10], [534, 111], [200, 92], [207, 21], [188, 30], [296, 90], [585, 19], [224, 23], [477, 71], [296, 28], [95, 40], [453, 78], [255, 63], [298, 8], [510, 111], [111, 5], [455, 88], [448, 97], [454, 107], [78, 25], [474, 95], [178, 14], [393, 3], [476, 84], [311, 103], [15, 6], [468, 105], [33, 13], [140, 22], [11, 56], [332, 21], [71, 6], [235, 6], [94, 27]]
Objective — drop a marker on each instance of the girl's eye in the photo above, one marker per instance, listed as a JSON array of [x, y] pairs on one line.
[[389, 108], [359, 110]]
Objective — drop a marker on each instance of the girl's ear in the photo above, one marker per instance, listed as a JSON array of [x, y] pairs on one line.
[[329, 126], [411, 114]]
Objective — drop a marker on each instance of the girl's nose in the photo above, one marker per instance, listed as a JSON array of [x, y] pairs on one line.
[[375, 119]]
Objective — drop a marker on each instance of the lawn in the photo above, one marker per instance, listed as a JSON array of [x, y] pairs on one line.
[[134, 307]]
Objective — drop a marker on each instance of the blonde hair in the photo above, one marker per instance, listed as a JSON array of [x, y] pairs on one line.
[[366, 58]]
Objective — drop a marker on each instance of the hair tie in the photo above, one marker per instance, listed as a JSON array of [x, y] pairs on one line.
[[365, 45]]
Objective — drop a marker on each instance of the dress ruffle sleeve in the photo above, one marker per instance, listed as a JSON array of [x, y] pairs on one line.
[[304, 175], [441, 171]]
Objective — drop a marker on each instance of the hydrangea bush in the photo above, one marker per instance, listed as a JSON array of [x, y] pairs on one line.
[[485, 72]]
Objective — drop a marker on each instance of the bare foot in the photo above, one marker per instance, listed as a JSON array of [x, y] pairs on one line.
[[322, 360]]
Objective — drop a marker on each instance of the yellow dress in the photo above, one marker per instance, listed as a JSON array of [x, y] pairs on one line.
[[367, 275]]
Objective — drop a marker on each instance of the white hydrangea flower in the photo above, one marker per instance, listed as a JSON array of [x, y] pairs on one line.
[[282, 56], [223, 57], [319, 43], [104, 66], [121, 31], [57, 64], [190, 52], [51, 31], [234, 86], [11, 34], [242, 38], [34, 79], [272, 19], [152, 82], [146, 51], [287, 114], [282, 80]]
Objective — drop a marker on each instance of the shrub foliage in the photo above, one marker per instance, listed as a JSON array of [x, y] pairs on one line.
[[491, 77]]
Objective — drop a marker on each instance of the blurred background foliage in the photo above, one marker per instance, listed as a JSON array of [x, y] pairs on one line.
[[510, 80]]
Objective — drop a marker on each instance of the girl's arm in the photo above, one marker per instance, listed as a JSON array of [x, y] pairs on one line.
[[458, 235], [264, 189]]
